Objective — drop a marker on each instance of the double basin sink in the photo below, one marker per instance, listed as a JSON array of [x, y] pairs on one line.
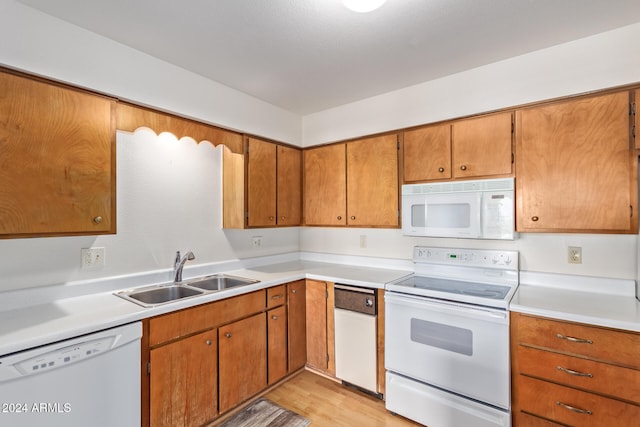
[[151, 296]]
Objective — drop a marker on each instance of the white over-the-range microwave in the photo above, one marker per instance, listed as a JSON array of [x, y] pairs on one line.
[[480, 209]]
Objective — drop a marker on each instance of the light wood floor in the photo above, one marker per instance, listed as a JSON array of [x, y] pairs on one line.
[[330, 404]]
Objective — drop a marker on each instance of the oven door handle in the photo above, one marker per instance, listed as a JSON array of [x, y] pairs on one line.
[[474, 312]]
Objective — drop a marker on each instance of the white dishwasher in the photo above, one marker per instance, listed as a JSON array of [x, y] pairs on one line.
[[92, 380], [356, 338]]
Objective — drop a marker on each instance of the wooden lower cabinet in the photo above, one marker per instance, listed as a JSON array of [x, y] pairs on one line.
[[573, 374], [316, 306], [296, 325], [242, 360], [188, 368], [277, 344]]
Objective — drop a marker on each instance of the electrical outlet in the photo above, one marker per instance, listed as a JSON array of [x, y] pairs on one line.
[[257, 241], [363, 240], [574, 255], [92, 257]]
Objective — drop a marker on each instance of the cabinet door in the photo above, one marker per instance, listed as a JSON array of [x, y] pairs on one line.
[[575, 169], [482, 146], [372, 182], [183, 382], [325, 191], [277, 343], [261, 183], [427, 153], [289, 206], [242, 360], [57, 160], [316, 313], [296, 324]]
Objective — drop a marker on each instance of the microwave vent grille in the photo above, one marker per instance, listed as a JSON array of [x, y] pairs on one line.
[[460, 186]]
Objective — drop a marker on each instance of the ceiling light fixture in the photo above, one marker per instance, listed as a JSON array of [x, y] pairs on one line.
[[363, 6]]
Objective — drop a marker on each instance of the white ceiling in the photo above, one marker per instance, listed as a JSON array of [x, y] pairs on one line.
[[309, 55]]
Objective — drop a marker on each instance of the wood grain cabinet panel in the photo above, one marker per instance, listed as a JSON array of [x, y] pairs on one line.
[[325, 185], [261, 183], [289, 186], [482, 146], [296, 325], [184, 382], [576, 171], [277, 343], [57, 159], [427, 153], [316, 314], [354, 183], [242, 360], [274, 189], [461, 149], [573, 374], [372, 182]]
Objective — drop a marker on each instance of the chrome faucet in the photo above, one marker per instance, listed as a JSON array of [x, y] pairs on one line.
[[179, 265]]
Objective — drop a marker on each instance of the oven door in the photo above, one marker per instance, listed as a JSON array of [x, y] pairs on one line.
[[460, 348]]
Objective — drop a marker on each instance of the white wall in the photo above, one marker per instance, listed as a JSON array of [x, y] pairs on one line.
[[41, 44], [601, 61], [603, 255]]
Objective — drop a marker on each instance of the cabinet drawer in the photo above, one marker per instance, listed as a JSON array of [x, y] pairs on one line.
[[573, 407], [276, 296], [191, 320], [607, 379], [521, 419], [599, 343]]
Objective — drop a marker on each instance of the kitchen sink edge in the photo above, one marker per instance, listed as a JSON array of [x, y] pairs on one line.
[[149, 296]]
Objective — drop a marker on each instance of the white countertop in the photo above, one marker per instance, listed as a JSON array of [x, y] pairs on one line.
[[36, 317], [597, 301]]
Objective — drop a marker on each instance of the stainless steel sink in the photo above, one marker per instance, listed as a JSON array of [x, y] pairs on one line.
[[219, 282], [149, 296]]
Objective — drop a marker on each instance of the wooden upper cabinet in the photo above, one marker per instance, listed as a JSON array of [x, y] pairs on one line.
[[576, 171], [482, 146], [273, 184], [636, 119], [261, 183], [372, 182], [469, 148], [289, 186], [325, 185], [427, 153], [57, 159]]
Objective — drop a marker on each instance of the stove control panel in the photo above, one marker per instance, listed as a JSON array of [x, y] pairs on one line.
[[506, 260]]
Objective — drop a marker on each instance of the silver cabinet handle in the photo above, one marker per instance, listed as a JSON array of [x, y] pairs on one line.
[[97, 220], [228, 335], [572, 372], [293, 291], [440, 169], [277, 296], [208, 342], [463, 168], [274, 317], [574, 339], [574, 409]]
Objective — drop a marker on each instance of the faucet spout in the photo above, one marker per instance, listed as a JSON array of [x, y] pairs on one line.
[[179, 265]]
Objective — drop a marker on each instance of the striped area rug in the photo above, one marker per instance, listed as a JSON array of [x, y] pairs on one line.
[[265, 413]]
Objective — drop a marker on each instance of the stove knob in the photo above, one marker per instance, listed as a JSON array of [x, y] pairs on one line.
[[507, 260], [496, 259]]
